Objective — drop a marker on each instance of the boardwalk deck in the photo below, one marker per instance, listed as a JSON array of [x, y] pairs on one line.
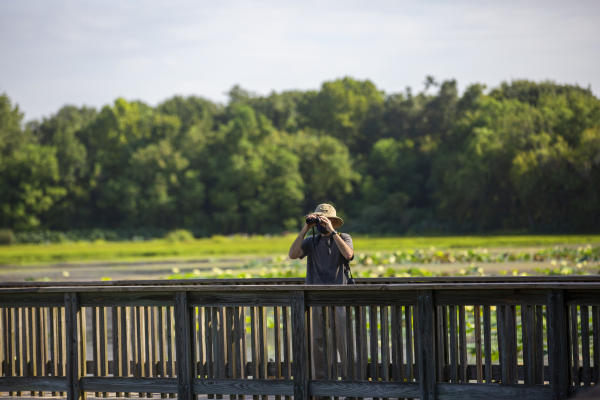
[[427, 338]]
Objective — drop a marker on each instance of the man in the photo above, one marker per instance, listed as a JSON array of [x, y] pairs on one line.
[[328, 253]]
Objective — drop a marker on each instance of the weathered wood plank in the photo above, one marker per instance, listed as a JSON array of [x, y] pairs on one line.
[[254, 298], [357, 298], [242, 386], [364, 389], [490, 297], [52, 383], [148, 385], [486, 391]]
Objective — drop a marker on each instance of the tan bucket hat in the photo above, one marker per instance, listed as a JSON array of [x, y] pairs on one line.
[[327, 210]]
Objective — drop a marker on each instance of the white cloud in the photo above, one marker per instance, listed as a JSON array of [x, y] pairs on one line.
[[91, 52]]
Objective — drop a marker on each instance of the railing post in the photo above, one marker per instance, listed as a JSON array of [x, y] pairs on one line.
[[183, 347], [426, 345], [558, 344], [72, 360], [299, 338]]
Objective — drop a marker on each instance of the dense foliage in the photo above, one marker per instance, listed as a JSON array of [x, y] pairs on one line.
[[523, 157]]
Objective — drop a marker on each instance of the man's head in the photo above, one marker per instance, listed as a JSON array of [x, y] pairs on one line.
[[328, 211]]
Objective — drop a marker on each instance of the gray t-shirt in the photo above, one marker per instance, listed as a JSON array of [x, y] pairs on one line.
[[325, 263]]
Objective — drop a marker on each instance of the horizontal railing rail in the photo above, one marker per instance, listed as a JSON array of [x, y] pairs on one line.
[[449, 337]]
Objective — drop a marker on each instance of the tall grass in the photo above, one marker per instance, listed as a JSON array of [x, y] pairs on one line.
[[240, 245]]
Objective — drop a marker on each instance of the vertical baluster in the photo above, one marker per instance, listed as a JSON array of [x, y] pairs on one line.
[[229, 342], [478, 360], [509, 346], [38, 344], [24, 349], [409, 343], [52, 348], [453, 346], [162, 348], [203, 344], [154, 341], [538, 344], [126, 331], [45, 339], [348, 372], [243, 357], [385, 342], [262, 340], [333, 342], [139, 327], [95, 349], [527, 326], [218, 343], [116, 344], [401, 369], [148, 343], [236, 354], [439, 336], [321, 317], [360, 343], [62, 345], [18, 347], [53, 319], [3, 342], [287, 345], [210, 339], [33, 340], [103, 347], [82, 345], [10, 349], [277, 344], [170, 345], [596, 342], [487, 343], [575, 343], [462, 329], [373, 343], [500, 338], [585, 345]]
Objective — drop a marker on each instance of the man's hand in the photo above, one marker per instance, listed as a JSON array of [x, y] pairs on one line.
[[326, 223], [308, 226]]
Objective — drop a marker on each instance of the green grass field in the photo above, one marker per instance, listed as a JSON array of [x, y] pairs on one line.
[[238, 245]]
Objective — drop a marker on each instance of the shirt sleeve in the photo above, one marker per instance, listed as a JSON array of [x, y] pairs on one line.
[[348, 240], [306, 246]]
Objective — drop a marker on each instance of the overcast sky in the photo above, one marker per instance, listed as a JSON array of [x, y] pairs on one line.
[[55, 52]]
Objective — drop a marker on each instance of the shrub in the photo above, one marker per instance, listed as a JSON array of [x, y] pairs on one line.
[[6, 236], [179, 235]]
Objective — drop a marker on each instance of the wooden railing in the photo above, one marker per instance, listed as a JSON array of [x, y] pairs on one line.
[[446, 338]]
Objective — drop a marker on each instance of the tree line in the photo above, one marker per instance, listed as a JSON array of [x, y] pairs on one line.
[[521, 157]]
